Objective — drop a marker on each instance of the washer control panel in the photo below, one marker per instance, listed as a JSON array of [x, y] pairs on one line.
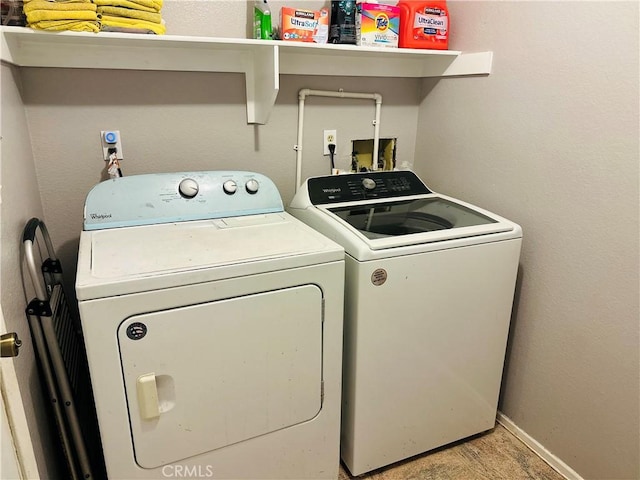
[[364, 186], [175, 197]]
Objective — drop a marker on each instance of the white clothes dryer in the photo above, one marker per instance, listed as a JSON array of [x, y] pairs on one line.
[[213, 328], [429, 290]]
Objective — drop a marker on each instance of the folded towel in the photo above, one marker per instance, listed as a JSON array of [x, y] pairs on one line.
[[74, 25], [40, 15], [41, 10], [144, 5], [110, 21], [130, 13], [58, 6]]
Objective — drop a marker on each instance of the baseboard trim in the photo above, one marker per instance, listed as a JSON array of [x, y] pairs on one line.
[[553, 461]]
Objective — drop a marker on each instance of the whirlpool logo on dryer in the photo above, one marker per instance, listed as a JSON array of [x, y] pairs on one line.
[[332, 190], [99, 216]]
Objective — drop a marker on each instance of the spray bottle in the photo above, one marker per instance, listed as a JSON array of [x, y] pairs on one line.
[[262, 21]]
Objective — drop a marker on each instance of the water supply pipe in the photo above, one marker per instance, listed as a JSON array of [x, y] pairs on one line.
[[305, 92]]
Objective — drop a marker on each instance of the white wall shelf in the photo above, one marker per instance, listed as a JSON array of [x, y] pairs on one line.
[[261, 61]]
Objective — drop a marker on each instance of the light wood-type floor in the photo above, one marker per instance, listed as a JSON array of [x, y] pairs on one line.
[[494, 455]]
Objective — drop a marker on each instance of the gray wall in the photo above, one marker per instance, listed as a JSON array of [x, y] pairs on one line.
[[550, 140]]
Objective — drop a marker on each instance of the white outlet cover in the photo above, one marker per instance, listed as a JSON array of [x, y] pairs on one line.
[[325, 140]]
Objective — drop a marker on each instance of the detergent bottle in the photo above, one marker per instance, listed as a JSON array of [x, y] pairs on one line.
[[262, 28], [424, 24]]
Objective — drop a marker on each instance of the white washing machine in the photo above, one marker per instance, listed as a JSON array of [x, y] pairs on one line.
[[213, 328], [429, 290]]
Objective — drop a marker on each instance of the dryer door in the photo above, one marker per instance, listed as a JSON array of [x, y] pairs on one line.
[[205, 376]]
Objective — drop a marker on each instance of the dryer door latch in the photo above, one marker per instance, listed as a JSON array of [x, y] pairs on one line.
[[148, 396]]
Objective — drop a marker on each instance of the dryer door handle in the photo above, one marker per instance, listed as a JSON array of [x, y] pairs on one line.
[[148, 396]]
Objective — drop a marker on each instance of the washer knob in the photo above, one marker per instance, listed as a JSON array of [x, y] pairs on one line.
[[252, 186], [368, 183], [188, 188], [229, 187]]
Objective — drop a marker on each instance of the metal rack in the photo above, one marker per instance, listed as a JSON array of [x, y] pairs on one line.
[[59, 347]]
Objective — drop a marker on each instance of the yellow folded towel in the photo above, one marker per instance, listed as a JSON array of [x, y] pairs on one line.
[[40, 15], [58, 6], [110, 21], [73, 25], [41, 10], [144, 5], [130, 13]]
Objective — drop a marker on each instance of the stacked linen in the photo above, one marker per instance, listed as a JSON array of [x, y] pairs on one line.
[[76, 15], [132, 16]]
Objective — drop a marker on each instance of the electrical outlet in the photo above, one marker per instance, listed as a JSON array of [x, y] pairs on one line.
[[111, 139], [330, 136]]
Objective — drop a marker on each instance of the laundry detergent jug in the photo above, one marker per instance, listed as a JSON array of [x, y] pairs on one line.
[[424, 24]]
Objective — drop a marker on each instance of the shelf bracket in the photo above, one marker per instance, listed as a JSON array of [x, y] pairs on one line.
[[7, 48], [470, 64], [262, 76]]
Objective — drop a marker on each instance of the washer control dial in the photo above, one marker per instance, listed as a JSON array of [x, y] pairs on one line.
[[188, 188], [252, 186], [230, 187], [368, 183]]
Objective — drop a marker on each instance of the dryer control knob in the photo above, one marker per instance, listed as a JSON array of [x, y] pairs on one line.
[[252, 186], [229, 187], [368, 183], [188, 188]]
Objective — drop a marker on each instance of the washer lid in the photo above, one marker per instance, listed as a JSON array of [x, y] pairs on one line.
[[385, 228], [414, 216], [385, 214], [134, 259]]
